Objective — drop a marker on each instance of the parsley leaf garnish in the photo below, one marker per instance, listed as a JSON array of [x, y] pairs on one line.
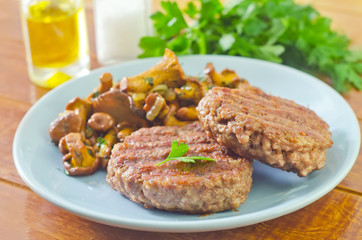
[[95, 94], [149, 80], [101, 141], [178, 150]]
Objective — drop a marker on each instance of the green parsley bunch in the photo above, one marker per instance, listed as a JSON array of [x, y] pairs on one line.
[[274, 30]]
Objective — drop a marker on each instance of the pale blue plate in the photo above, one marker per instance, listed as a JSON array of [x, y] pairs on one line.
[[274, 193]]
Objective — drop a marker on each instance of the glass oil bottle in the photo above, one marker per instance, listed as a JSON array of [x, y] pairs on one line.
[[55, 40]]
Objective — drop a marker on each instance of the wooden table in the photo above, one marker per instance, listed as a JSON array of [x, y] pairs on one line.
[[25, 215]]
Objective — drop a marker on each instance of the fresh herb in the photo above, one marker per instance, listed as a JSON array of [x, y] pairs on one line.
[[178, 150], [95, 94], [275, 30], [63, 171], [201, 79], [90, 152], [149, 81], [101, 141], [88, 131]]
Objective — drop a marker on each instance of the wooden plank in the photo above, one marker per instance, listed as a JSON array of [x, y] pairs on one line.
[[23, 215], [11, 114], [353, 179], [354, 98]]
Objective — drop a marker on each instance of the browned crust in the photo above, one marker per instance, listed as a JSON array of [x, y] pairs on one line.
[[275, 131], [202, 187]]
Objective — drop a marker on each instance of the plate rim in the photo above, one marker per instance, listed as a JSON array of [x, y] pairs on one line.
[[163, 226]]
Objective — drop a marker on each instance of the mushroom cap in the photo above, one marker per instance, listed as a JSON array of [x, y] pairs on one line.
[[120, 106], [66, 123]]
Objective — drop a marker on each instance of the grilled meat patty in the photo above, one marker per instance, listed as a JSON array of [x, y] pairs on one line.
[[201, 187], [273, 130]]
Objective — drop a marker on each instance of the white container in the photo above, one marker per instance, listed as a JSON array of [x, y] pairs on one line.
[[119, 25]]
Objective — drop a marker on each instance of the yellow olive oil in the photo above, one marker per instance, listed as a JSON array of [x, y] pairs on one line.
[[55, 34]]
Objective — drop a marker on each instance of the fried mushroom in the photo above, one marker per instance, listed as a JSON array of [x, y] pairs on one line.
[[78, 159], [100, 121], [67, 122], [120, 106], [168, 71]]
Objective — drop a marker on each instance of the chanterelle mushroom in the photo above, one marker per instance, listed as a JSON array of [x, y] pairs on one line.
[[187, 114], [79, 159], [171, 120], [105, 145], [168, 71], [67, 122], [227, 78], [118, 105], [106, 83], [81, 107], [101, 121]]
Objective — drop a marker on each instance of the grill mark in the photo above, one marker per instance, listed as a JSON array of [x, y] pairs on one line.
[[267, 129], [263, 101], [282, 123], [166, 139], [198, 142], [267, 100], [194, 147], [177, 183], [160, 131], [284, 119], [268, 107]]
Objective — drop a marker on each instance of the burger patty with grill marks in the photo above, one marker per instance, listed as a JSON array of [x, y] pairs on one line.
[[273, 130], [201, 187]]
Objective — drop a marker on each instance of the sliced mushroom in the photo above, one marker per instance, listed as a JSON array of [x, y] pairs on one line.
[[79, 159], [155, 103], [67, 122], [168, 71], [119, 105]]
